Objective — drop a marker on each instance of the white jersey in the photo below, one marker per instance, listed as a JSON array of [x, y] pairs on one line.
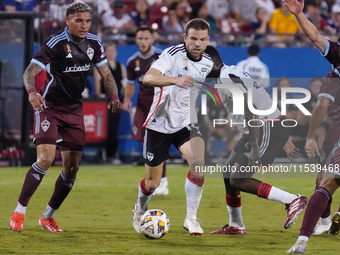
[[173, 108], [243, 81], [257, 69]]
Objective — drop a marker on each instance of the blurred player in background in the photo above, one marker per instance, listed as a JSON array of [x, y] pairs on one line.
[[137, 65], [67, 57], [173, 119], [259, 146]]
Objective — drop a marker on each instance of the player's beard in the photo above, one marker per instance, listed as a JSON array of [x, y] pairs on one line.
[[145, 51]]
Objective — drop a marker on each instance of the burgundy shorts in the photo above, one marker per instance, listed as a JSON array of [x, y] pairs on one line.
[[66, 129], [138, 131]]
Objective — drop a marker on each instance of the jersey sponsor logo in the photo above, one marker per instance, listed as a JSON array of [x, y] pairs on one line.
[[45, 125], [69, 55], [90, 53], [150, 155], [76, 68], [140, 79]]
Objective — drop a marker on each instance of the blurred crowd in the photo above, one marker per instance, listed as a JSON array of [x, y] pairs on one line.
[[233, 22]]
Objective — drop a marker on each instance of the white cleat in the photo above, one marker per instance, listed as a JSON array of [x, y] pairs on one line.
[[137, 214], [193, 226], [298, 248], [321, 228], [162, 189]]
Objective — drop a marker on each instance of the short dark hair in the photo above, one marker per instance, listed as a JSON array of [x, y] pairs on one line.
[[217, 60], [254, 50], [144, 28], [78, 7], [197, 24]]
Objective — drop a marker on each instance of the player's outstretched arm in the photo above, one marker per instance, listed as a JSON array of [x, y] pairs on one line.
[[110, 87], [296, 7], [34, 97], [154, 78], [319, 112]]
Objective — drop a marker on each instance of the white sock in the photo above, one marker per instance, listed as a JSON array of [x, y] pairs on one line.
[[20, 208], [235, 216], [303, 238], [325, 221], [49, 212], [143, 199], [194, 195], [279, 195]]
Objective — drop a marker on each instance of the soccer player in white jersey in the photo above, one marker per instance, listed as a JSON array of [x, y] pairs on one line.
[[172, 119], [258, 146]]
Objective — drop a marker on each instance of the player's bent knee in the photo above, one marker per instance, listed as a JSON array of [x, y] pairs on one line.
[[235, 183], [44, 162]]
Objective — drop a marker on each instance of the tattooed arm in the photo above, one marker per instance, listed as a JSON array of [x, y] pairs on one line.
[[34, 97], [110, 87]]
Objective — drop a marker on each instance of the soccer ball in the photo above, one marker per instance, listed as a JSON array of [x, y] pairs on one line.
[[154, 224]]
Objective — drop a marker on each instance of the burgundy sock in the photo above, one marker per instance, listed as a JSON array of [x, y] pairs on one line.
[[32, 181], [63, 186], [164, 170], [316, 206], [327, 211]]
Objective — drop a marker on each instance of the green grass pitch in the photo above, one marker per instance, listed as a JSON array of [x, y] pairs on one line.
[[96, 216]]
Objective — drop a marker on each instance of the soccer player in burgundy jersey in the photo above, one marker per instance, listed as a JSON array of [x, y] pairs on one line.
[[328, 101], [67, 58], [331, 51], [137, 65]]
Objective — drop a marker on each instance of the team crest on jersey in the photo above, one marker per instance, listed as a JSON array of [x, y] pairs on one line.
[[137, 68], [322, 155], [90, 53], [150, 156], [45, 125], [204, 70]]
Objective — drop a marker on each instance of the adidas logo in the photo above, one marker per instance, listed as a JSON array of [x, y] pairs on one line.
[[69, 55], [36, 176]]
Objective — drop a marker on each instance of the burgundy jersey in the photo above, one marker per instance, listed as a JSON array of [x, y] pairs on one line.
[[137, 66], [332, 52], [331, 89], [67, 65]]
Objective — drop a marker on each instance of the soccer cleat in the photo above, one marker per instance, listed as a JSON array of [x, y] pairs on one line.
[[16, 222], [162, 189], [137, 214], [229, 230], [335, 226], [293, 210], [321, 228], [298, 248], [193, 226], [49, 224]]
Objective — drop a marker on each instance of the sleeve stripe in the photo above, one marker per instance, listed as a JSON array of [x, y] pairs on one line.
[[327, 96], [38, 63]]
